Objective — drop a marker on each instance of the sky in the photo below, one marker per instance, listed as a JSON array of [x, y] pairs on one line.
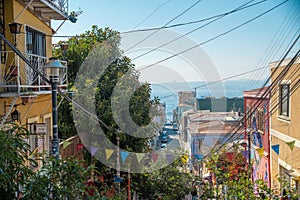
[[249, 47]]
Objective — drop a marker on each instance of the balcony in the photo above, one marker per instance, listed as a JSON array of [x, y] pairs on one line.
[[51, 9], [18, 79]]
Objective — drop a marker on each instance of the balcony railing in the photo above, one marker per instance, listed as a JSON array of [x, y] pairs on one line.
[[17, 78], [54, 9]]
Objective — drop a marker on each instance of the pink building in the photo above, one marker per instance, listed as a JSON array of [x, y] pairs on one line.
[[256, 106]]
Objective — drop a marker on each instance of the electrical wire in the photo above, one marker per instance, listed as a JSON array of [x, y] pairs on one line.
[[243, 6], [284, 71], [215, 37], [173, 19], [151, 14]]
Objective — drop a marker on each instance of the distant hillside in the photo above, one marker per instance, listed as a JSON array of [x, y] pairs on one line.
[[231, 88]]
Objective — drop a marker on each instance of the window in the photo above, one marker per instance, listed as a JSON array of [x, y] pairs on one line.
[[260, 120], [284, 93], [200, 145], [35, 42]]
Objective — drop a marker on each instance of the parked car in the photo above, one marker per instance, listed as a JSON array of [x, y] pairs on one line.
[[164, 138], [163, 145]]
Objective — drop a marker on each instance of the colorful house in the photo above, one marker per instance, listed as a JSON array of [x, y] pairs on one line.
[[25, 98], [285, 126], [256, 105]]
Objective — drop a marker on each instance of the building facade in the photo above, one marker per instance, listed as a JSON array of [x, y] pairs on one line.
[[206, 130], [22, 90], [285, 126], [256, 105]]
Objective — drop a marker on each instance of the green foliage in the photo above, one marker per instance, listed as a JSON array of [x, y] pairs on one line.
[[169, 183], [61, 179], [231, 178], [14, 152]]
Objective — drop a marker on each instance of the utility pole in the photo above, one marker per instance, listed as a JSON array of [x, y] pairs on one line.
[[129, 192], [118, 164], [249, 151]]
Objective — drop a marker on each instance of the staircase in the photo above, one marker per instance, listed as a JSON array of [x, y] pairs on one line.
[[8, 112]]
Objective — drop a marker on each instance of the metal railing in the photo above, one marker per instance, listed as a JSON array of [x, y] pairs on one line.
[[17, 77], [62, 5]]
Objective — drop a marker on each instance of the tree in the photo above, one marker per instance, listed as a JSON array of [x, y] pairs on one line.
[[170, 182], [98, 49], [61, 179]]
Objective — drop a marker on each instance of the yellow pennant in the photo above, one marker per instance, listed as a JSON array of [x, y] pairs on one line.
[[66, 144], [108, 152], [260, 151], [291, 144], [184, 158], [139, 156]]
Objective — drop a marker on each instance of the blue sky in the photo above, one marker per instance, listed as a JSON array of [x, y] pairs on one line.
[[251, 46]]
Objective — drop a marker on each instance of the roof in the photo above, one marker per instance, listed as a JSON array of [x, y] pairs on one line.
[[257, 93], [214, 127], [284, 62]]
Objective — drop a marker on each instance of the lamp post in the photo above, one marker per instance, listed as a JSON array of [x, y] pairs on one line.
[[15, 28], [53, 68]]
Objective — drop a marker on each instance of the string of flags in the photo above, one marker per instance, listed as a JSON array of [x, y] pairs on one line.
[[260, 151], [139, 156], [184, 157]]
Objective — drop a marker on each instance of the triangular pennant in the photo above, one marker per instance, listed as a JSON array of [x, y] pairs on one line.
[[230, 156], [66, 144], [184, 158], [245, 154], [169, 158], [108, 152], [275, 148], [124, 155], [291, 144], [94, 150], [139, 156], [260, 151], [154, 157]]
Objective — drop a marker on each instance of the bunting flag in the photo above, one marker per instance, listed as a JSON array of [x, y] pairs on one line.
[[94, 150], [169, 158], [245, 154], [139, 156], [275, 148], [79, 147], [260, 151], [66, 144], [124, 155], [291, 144], [230, 156], [154, 157], [184, 158], [108, 152]]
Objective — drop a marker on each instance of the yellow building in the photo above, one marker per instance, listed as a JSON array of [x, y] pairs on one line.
[[21, 88], [285, 125]]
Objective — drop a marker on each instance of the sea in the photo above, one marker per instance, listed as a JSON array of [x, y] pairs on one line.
[[168, 92]]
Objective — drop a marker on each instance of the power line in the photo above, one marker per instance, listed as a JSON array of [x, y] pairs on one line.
[[272, 86], [213, 38], [198, 28], [221, 80], [284, 71], [151, 14], [190, 22], [182, 13]]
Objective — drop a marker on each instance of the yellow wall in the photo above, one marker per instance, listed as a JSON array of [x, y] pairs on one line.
[[29, 19], [41, 107], [285, 129]]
